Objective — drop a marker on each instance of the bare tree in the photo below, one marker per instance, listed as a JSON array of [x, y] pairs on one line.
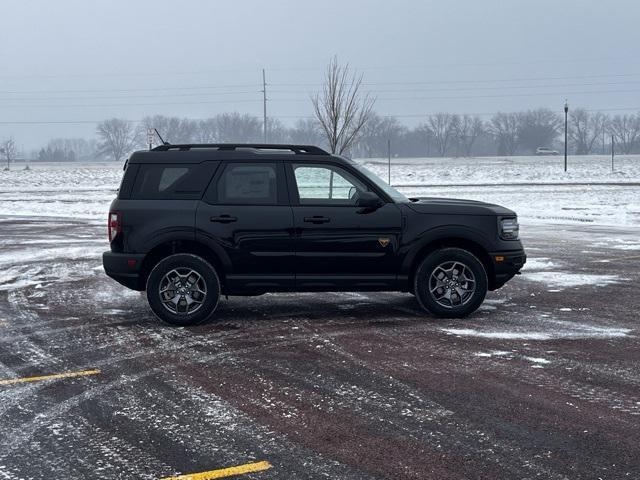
[[276, 131], [117, 138], [307, 131], [426, 137], [585, 129], [68, 150], [233, 127], [442, 127], [468, 129], [341, 109], [173, 129], [538, 128], [206, 131], [626, 130], [376, 133], [504, 127], [9, 150]]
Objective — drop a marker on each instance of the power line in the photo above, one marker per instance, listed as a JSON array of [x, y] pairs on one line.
[[413, 66], [127, 90], [502, 87], [456, 81], [248, 92], [298, 100], [109, 105], [407, 115], [465, 97], [257, 86], [120, 97]]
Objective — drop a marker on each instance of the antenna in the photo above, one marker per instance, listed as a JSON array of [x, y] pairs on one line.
[[160, 137]]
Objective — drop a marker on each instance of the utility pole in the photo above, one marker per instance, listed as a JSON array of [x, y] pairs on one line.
[[612, 152], [264, 104], [566, 111], [389, 158]]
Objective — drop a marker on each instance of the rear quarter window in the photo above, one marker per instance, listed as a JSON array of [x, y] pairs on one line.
[[172, 181]]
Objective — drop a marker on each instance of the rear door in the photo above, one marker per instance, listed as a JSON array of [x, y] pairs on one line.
[[339, 244], [246, 217]]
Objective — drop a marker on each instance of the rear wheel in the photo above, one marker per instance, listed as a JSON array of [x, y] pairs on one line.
[[183, 289], [451, 283]]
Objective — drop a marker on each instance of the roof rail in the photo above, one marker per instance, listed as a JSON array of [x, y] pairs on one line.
[[298, 149]]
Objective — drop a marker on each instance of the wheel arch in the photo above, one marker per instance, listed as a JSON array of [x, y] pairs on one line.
[[165, 249], [464, 243]]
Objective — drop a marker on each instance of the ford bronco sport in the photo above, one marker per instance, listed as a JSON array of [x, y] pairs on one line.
[[194, 222]]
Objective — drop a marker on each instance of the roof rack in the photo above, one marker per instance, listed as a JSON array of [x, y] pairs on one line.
[[297, 149]]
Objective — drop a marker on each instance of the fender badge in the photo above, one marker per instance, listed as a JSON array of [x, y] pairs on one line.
[[384, 242]]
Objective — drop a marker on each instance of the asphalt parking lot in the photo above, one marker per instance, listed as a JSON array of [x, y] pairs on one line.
[[542, 382]]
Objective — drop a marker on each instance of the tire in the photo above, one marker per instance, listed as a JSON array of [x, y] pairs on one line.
[[183, 289], [450, 283]]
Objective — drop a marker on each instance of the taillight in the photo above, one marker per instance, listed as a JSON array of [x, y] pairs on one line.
[[114, 225]]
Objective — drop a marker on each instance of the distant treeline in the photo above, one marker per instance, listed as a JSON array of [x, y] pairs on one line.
[[441, 134]]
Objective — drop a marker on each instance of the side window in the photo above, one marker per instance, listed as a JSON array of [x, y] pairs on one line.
[[172, 181], [170, 176], [326, 185], [248, 184]]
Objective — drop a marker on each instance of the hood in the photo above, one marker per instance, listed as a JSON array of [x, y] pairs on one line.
[[455, 206]]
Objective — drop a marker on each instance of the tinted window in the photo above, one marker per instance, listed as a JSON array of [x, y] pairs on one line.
[[324, 184], [183, 181], [248, 184], [170, 176]]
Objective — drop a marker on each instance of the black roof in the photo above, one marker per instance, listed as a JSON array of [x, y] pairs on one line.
[[196, 153]]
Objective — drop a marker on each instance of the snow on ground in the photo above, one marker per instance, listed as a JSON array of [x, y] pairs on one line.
[[29, 262], [61, 177], [545, 330], [566, 279], [567, 203], [86, 190], [539, 263], [619, 244], [497, 170]]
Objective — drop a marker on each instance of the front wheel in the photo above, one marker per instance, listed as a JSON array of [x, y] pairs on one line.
[[450, 283], [183, 289]]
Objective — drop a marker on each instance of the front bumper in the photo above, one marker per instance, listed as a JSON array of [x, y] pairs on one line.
[[506, 265], [125, 268]]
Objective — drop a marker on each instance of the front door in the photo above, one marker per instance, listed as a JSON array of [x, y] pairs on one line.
[[337, 243], [246, 217]]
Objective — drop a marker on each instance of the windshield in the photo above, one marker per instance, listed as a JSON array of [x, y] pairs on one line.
[[388, 189]]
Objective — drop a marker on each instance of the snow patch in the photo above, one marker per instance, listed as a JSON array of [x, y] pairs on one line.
[[493, 353], [537, 360], [539, 264], [566, 279], [560, 330]]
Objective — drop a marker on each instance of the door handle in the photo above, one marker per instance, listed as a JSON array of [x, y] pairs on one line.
[[224, 219], [317, 219]]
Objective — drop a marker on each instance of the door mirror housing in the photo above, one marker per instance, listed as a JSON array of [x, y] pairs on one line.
[[368, 200]]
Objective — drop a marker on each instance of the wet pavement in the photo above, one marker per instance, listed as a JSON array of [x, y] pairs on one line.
[[542, 382]]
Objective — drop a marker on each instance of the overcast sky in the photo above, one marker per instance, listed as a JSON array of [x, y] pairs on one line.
[[82, 61]]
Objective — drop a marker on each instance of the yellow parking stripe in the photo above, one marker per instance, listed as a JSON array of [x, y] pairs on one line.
[[49, 377], [224, 472]]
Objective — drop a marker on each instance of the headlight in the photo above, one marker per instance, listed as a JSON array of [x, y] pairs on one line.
[[509, 228]]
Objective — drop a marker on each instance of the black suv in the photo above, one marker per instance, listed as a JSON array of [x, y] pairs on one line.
[[194, 222]]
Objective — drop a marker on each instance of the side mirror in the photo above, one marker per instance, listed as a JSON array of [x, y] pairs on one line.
[[368, 200]]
